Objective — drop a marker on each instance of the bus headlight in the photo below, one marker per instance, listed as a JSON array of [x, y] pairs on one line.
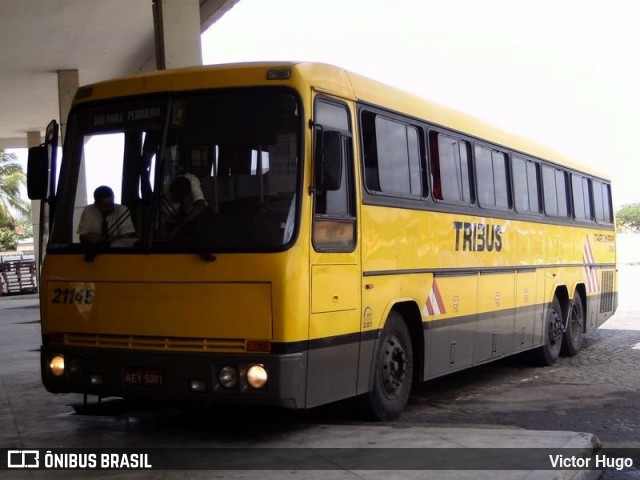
[[257, 376], [56, 366], [228, 377]]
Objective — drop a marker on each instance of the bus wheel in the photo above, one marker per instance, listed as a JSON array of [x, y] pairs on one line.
[[393, 371], [572, 337], [549, 352]]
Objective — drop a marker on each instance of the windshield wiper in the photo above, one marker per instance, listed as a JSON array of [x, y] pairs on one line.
[[186, 234], [105, 239]]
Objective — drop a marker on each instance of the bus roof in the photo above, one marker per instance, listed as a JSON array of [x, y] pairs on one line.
[[331, 79]]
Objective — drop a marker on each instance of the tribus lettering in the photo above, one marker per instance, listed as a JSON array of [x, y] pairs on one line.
[[478, 237]]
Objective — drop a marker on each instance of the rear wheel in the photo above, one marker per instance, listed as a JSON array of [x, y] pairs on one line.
[[393, 371], [572, 337], [549, 352]]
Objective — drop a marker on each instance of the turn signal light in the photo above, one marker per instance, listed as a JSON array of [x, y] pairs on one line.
[[262, 346]]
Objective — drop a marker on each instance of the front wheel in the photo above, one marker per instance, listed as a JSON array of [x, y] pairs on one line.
[[393, 371]]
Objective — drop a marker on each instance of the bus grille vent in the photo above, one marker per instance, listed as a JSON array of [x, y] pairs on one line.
[[174, 344], [606, 297]]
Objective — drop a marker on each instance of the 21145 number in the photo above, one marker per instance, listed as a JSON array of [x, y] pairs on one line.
[[73, 296]]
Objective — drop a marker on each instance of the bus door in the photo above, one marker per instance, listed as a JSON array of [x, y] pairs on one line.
[[334, 324]]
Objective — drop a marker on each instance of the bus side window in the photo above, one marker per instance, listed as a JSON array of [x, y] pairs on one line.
[[554, 182], [391, 156], [334, 210], [436, 187], [581, 189], [492, 177], [370, 152], [526, 185], [450, 172], [602, 202]]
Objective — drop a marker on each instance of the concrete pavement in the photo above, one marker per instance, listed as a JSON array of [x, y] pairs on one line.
[[32, 418]]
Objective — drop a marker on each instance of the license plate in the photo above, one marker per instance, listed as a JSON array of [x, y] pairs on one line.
[[143, 377]]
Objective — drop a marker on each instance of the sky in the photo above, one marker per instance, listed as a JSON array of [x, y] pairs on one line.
[[564, 73]]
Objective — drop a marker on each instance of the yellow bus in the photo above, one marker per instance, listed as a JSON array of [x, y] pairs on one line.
[[351, 240]]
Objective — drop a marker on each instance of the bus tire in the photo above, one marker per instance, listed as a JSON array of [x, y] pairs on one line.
[[392, 371], [572, 337], [549, 352]]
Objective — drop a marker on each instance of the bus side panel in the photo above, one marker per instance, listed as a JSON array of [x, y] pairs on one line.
[[496, 316], [540, 307], [381, 294], [334, 333], [451, 339], [526, 311], [600, 280], [606, 299], [333, 362]]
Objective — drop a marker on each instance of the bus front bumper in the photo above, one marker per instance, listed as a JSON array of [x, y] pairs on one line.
[[174, 377]]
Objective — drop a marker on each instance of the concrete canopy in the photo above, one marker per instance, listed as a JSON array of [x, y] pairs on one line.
[[101, 39]]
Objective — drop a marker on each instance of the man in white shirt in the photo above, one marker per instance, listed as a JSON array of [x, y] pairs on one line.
[[105, 221], [189, 218], [186, 194]]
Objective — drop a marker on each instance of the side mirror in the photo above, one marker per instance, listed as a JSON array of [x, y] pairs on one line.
[[38, 172], [328, 160], [41, 165]]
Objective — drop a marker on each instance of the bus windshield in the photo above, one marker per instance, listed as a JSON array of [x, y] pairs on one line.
[[215, 171]]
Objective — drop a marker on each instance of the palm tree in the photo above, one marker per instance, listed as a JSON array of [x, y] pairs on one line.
[[11, 179]]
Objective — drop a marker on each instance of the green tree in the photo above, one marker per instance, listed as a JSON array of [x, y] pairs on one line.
[[12, 178], [8, 240], [628, 218]]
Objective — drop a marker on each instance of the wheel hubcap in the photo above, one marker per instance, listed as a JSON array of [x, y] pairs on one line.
[[394, 366], [555, 327], [576, 321]]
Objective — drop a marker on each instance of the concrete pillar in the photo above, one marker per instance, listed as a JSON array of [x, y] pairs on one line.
[[177, 33], [68, 81]]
